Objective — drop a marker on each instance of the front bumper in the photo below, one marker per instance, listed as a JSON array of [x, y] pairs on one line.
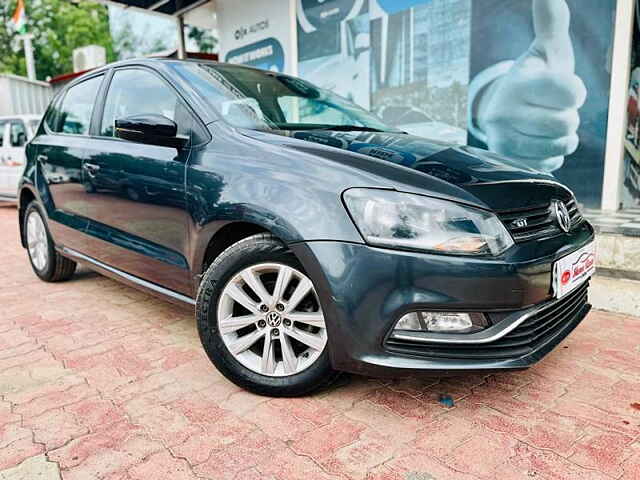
[[364, 290]]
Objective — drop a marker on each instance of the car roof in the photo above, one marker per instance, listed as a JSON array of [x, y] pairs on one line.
[[157, 62], [160, 61]]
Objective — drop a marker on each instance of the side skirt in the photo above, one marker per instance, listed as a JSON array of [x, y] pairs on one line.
[[127, 278]]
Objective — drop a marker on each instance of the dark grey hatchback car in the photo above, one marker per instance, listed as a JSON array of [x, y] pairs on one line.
[[310, 237]]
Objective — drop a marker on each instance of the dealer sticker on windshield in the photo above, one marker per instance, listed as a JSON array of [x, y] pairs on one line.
[[573, 270]]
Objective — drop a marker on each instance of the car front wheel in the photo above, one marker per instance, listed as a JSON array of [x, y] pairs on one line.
[[260, 320]]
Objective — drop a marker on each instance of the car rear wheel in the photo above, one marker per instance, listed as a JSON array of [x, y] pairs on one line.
[[260, 320], [47, 264]]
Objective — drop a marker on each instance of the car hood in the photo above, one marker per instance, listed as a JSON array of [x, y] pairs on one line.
[[485, 175]]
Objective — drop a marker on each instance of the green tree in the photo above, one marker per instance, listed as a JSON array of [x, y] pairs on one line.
[[204, 39], [59, 26], [10, 60]]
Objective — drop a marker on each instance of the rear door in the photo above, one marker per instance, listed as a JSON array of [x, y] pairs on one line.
[[137, 211], [61, 150]]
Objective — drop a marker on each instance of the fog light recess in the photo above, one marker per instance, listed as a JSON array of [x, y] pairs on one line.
[[442, 322]]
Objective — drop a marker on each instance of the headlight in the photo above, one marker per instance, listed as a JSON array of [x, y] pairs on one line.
[[402, 220]]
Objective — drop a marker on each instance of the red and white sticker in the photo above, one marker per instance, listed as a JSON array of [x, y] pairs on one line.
[[573, 270]]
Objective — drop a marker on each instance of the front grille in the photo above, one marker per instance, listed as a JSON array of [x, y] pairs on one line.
[[535, 223], [527, 337]]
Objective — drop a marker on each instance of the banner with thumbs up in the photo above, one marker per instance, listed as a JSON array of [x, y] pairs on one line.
[[531, 112], [540, 80], [526, 79]]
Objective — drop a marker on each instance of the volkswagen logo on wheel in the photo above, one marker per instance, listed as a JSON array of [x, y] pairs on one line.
[[273, 319], [562, 215]]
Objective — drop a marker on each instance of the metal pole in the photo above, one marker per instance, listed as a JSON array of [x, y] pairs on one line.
[[182, 51], [28, 54]]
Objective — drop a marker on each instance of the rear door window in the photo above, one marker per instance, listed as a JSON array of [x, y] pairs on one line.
[[77, 107]]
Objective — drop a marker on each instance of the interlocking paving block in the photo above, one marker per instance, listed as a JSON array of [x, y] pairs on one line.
[[34, 468]]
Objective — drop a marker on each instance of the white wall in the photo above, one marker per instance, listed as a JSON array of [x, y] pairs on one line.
[[19, 95], [258, 32]]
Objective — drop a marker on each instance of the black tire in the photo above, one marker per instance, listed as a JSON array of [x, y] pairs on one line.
[[136, 195], [89, 187], [56, 268], [253, 250]]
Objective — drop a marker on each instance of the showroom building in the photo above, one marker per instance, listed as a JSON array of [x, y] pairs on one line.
[[551, 83]]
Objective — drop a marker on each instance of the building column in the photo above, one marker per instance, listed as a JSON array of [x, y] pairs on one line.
[[293, 32], [619, 92], [182, 51]]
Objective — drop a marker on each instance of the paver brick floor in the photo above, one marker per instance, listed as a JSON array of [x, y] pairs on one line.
[[98, 380]]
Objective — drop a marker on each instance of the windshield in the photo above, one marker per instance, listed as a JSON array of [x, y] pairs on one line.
[[262, 100]]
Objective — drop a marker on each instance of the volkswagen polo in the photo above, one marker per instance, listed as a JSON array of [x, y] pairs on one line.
[[310, 237]]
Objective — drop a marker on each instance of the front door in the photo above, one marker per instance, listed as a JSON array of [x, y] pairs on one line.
[[138, 218]]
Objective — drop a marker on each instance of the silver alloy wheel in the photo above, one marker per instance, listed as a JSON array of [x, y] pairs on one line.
[[37, 240], [274, 327]]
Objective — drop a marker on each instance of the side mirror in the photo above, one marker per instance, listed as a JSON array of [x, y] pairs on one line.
[[150, 129]]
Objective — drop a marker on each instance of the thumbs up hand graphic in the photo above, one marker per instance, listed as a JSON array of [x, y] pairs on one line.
[[531, 112]]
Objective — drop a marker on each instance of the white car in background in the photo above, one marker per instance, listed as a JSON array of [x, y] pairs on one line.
[[15, 132], [417, 122]]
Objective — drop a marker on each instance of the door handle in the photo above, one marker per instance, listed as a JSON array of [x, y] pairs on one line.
[[92, 167], [42, 158]]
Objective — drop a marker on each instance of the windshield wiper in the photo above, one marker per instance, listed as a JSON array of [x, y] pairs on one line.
[[350, 128], [336, 128]]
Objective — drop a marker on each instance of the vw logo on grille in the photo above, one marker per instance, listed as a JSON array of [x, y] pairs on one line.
[[273, 319], [562, 215]]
